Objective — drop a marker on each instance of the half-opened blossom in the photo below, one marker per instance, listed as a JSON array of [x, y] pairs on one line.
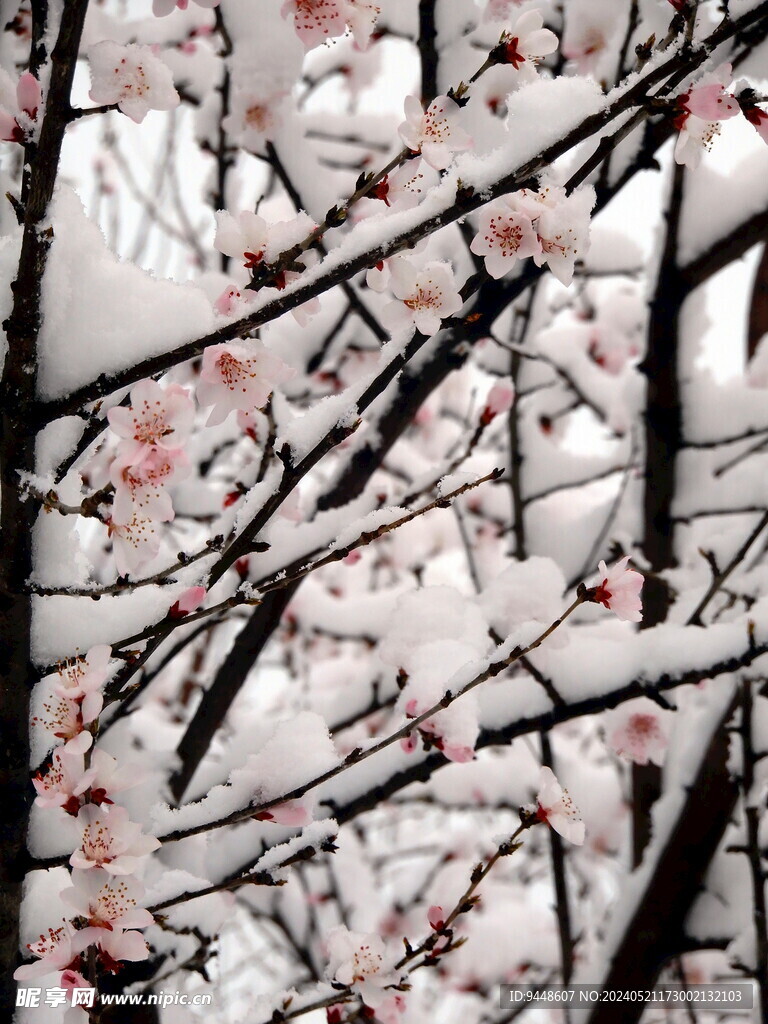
[[436, 918], [361, 17], [316, 20], [64, 718], [160, 8], [106, 902], [426, 296], [140, 489], [104, 777], [82, 679], [156, 418], [528, 40], [436, 132], [619, 590], [110, 840], [700, 111], [638, 731], [17, 120], [407, 186], [504, 236], [555, 807], [132, 77], [133, 543], [361, 961], [239, 376], [55, 950]]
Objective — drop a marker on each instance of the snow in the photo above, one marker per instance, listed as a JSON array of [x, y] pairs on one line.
[[101, 314]]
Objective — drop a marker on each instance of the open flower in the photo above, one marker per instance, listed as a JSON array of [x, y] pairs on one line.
[[407, 186], [316, 20], [59, 785], [504, 236], [82, 680], [435, 133], [361, 17], [131, 77], [156, 418], [527, 40], [140, 489], [620, 590], [555, 807], [133, 543], [426, 296], [239, 376], [106, 903], [254, 118], [55, 950], [362, 962], [110, 841], [638, 731]]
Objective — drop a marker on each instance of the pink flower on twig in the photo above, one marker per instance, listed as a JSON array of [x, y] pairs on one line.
[[555, 807], [620, 590]]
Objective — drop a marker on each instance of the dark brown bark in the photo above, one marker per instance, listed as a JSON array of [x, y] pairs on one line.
[[17, 456]]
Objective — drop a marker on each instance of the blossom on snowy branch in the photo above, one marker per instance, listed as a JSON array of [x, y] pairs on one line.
[[555, 808], [619, 590], [436, 132], [131, 77]]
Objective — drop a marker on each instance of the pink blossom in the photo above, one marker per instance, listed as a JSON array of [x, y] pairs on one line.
[[133, 543], [82, 680], [16, 125], [105, 776], [498, 10], [316, 20], [110, 841], [188, 602], [435, 133], [700, 112], [255, 118], [361, 17], [620, 590], [436, 918], [563, 230], [527, 40], [249, 238], [64, 718], [228, 301], [55, 950], [361, 961], [638, 731], [140, 489], [57, 787], [390, 1009], [161, 8], [427, 297], [156, 418], [504, 236], [70, 980], [555, 807], [132, 77], [106, 903], [407, 186], [239, 376], [500, 399]]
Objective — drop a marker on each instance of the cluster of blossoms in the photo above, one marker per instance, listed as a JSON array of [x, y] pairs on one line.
[[105, 895], [365, 963], [701, 109], [548, 225], [315, 21], [153, 430]]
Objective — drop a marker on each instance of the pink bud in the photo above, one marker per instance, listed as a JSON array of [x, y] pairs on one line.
[[500, 399], [28, 94], [188, 602], [291, 813], [436, 918], [352, 558]]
